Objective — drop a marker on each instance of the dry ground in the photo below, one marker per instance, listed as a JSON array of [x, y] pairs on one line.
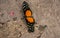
[[45, 12]]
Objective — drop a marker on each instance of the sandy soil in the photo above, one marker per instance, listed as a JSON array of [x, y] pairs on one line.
[[45, 12]]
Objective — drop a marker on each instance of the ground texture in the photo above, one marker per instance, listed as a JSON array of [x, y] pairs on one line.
[[45, 12]]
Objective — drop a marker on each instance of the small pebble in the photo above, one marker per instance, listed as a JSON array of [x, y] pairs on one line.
[[20, 34], [12, 13], [16, 0], [0, 9], [2, 23], [20, 25], [42, 27], [1, 14], [22, 18], [45, 26], [1, 26], [37, 26], [8, 20], [15, 18]]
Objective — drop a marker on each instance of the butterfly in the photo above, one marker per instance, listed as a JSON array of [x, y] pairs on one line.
[[30, 21]]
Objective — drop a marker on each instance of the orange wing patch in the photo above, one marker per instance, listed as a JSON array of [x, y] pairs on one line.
[[30, 19], [28, 13]]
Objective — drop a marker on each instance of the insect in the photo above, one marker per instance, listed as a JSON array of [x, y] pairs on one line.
[[30, 21]]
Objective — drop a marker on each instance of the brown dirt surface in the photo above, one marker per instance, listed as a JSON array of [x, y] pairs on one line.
[[45, 12]]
